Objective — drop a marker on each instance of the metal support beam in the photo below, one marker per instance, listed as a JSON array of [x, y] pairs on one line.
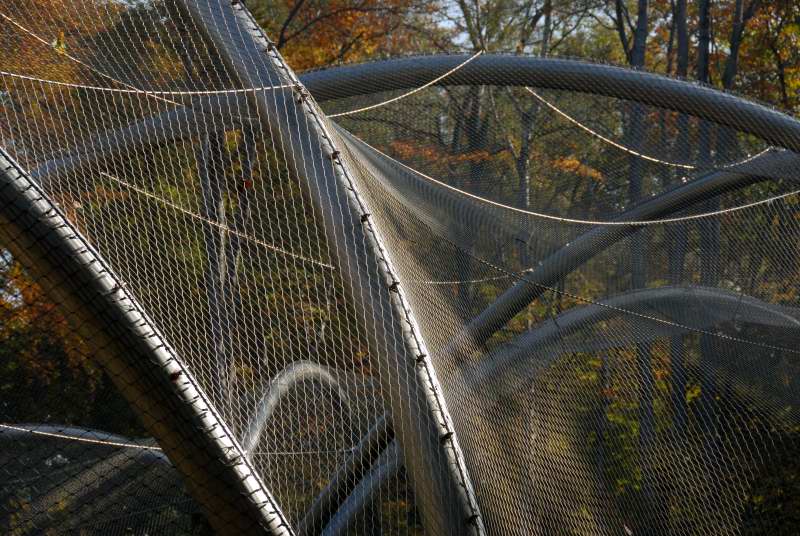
[[142, 365], [212, 189], [354, 470], [650, 89], [280, 386], [197, 118], [569, 75], [222, 111], [422, 194], [535, 282], [386, 466], [420, 417], [507, 369]]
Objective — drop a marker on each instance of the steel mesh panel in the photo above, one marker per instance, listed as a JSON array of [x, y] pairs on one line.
[[645, 448], [57, 480], [502, 308]]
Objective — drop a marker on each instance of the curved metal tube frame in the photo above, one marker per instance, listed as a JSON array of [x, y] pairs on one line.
[[569, 75], [596, 240], [489, 69], [508, 367], [646, 88], [281, 385], [535, 282], [515, 357], [198, 118], [552, 269], [342, 82], [347, 477], [385, 467], [448, 506], [348, 81]]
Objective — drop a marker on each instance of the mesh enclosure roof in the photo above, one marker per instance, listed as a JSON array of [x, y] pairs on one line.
[[472, 294]]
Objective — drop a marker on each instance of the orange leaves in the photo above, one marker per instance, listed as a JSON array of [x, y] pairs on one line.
[[443, 163], [313, 34], [414, 150], [32, 330], [473, 157], [570, 164]]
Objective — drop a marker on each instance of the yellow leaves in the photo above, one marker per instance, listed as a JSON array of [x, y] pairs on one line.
[[59, 44], [474, 157], [788, 295], [405, 150], [164, 61], [591, 372], [232, 140], [246, 374], [792, 80], [693, 392], [595, 362], [784, 291], [414, 150], [588, 376]]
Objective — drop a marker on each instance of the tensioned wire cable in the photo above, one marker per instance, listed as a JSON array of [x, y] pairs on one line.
[[122, 444], [159, 93], [137, 91], [134, 90], [409, 93], [587, 301], [560, 112], [79, 439], [128, 88], [563, 114], [638, 223], [630, 151], [118, 249], [456, 282], [218, 225], [151, 188], [74, 59]]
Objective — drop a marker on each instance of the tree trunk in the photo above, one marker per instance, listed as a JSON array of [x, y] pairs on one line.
[[679, 237], [213, 210], [709, 228], [635, 132], [527, 120]]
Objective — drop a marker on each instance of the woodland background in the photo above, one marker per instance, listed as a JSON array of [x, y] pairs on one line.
[[750, 47]]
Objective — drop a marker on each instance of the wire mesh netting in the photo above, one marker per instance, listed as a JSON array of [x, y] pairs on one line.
[[493, 298]]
